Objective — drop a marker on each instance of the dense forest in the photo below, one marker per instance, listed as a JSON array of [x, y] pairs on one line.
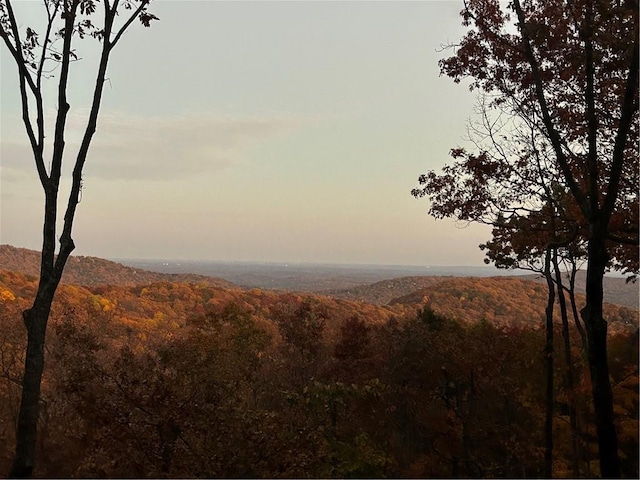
[[195, 378]]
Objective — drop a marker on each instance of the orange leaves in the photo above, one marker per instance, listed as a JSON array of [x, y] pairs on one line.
[[6, 295], [190, 380], [266, 384]]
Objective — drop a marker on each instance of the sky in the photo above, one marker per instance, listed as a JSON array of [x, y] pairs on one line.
[[257, 131]]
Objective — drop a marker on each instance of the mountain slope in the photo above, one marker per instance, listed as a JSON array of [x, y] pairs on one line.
[[617, 290], [503, 301], [96, 271], [383, 292]]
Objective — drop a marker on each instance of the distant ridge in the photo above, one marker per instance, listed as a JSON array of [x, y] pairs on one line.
[[503, 301], [616, 289], [385, 292], [358, 283], [87, 271]]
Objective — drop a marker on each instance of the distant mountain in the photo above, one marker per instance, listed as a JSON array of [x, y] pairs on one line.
[[617, 290], [97, 271], [383, 292], [293, 276], [307, 277], [503, 301]]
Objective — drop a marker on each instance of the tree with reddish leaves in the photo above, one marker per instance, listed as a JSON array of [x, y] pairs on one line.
[[510, 185], [571, 69], [34, 53]]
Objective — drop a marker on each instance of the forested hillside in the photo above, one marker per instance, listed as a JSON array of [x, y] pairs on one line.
[[95, 271], [178, 379], [617, 290], [503, 301]]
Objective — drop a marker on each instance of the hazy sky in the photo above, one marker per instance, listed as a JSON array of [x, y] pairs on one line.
[[259, 131]]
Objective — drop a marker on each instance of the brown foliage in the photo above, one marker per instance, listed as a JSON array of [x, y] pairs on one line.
[[190, 380]]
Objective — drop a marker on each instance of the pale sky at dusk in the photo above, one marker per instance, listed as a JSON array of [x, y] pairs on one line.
[[259, 131]]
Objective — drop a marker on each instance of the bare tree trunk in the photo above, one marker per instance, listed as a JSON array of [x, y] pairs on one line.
[[574, 308], [596, 328], [548, 356], [36, 321], [573, 420]]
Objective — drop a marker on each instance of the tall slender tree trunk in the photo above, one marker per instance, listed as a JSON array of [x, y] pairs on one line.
[[596, 328], [570, 384], [548, 356], [36, 321], [574, 309]]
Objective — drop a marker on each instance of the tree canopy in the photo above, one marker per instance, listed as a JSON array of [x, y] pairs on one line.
[[568, 71]]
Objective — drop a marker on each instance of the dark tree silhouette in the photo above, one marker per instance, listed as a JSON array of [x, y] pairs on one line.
[[571, 68], [33, 52]]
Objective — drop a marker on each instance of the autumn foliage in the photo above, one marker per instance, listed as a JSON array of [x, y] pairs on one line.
[[192, 380]]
